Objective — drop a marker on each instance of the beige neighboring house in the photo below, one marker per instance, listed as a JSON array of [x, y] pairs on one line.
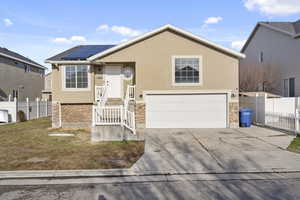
[[47, 91], [272, 62], [19, 76], [173, 78]]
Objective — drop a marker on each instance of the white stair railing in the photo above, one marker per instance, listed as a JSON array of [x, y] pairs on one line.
[[101, 94]]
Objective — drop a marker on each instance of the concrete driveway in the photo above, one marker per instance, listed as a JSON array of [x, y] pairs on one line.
[[216, 151]]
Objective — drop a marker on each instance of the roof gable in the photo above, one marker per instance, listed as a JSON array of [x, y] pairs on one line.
[[164, 28]]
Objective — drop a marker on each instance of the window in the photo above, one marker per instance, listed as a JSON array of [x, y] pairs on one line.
[[261, 57], [15, 94], [76, 76], [289, 87], [187, 69]]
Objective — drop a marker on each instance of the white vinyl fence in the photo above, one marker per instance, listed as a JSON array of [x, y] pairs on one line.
[[282, 113], [33, 109]]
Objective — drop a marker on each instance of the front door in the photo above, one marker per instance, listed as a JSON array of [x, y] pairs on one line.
[[113, 81]]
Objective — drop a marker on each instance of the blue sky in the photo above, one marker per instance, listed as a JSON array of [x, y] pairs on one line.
[[39, 29]]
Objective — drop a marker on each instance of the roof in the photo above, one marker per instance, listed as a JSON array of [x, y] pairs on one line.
[[81, 52], [289, 28], [15, 56], [111, 49]]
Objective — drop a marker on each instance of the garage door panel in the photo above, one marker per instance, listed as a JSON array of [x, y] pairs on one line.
[[186, 111]]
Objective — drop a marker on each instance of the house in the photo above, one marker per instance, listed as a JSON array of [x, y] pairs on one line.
[[19, 76], [46, 92], [272, 62], [173, 79]]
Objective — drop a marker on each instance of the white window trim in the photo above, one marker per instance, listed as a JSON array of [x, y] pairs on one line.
[[200, 71], [75, 89]]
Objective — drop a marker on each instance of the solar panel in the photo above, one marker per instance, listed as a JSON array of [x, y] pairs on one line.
[[86, 51]]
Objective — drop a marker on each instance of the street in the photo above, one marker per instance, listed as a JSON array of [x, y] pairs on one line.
[[233, 186]]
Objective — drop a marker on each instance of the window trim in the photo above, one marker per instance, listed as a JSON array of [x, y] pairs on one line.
[[64, 88], [200, 71]]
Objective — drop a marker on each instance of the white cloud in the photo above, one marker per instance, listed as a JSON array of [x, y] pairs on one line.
[[61, 40], [125, 31], [274, 7], [104, 27], [238, 44], [78, 38], [75, 38], [7, 22], [122, 30], [213, 20]]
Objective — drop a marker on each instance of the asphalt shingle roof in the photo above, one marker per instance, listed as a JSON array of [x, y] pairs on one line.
[[290, 27], [18, 56]]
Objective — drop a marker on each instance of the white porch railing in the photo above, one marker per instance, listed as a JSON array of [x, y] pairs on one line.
[[131, 92], [113, 115], [100, 93]]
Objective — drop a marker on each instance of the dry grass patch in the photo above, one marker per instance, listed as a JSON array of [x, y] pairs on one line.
[[27, 146]]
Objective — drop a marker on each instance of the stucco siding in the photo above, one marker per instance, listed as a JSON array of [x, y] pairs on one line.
[[58, 94], [153, 63], [30, 84], [280, 53]]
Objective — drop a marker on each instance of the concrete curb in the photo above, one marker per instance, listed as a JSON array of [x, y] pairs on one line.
[[61, 174]]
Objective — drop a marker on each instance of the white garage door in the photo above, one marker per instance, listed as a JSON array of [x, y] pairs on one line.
[[186, 111]]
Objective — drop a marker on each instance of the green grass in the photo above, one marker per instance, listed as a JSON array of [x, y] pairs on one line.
[[27, 146], [295, 145]]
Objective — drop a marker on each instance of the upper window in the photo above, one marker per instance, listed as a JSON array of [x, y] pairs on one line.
[[261, 57], [76, 76], [187, 69]]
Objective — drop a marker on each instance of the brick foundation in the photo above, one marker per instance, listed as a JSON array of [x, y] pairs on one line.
[[76, 115], [140, 110], [233, 114], [55, 115]]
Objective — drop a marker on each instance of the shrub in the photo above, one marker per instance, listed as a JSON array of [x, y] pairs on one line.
[[21, 116]]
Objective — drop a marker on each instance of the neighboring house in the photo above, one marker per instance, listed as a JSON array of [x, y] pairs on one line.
[[19, 76], [272, 62], [179, 80], [46, 92]]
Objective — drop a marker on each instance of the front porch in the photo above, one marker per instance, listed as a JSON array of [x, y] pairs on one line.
[[113, 119]]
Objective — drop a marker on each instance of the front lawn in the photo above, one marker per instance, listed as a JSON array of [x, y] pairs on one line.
[[27, 146], [295, 145]]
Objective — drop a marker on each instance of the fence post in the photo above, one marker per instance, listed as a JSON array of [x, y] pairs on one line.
[[16, 108], [122, 114], [256, 107], [9, 97], [297, 120], [37, 108], [27, 109], [46, 111]]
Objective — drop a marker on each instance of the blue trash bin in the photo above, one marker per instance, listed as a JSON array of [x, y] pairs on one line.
[[245, 118]]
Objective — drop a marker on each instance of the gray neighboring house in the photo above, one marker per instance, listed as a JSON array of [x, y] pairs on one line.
[[19, 76], [272, 59]]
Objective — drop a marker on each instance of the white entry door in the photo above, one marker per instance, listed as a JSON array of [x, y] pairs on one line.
[[113, 81], [186, 111]]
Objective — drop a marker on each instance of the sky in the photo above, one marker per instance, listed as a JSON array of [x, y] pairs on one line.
[[39, 29]]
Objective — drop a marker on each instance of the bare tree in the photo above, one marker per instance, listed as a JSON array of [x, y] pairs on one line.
[[259, 78]]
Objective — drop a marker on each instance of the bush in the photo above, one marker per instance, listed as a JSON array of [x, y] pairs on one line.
[[21, 116]]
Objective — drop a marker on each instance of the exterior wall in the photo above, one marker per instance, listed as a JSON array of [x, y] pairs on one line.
[[280, 54], [233, 114], [12, 77], [55, 115], [153, 69], [70, 96], [76, 115], [153, 64], [140, 115]]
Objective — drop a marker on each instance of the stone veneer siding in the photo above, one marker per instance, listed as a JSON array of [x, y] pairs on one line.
[[233, 114], [140, 110], [76, 115], [55, 115]]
